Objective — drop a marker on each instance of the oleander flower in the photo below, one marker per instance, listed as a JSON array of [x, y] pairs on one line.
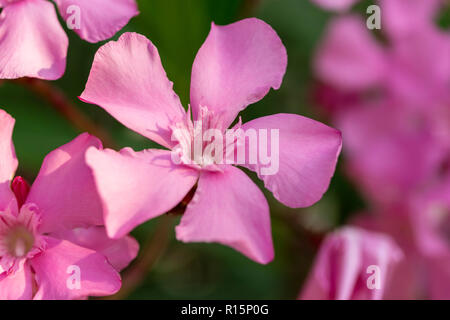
[[413, 67], [33, 43], [406, 78], [420, 228], [53, 228], [353, 264], [236, 66], [420, 225], [392, 103]]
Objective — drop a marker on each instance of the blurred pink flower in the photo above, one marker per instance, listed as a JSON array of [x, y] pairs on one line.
[[53, 226], [397, 123], [33, 43], [352, 264], [236, 66], [399, 16], [392, 151], [413, 68], [397, 133], [407, 281], [421, 228], [402, 18]]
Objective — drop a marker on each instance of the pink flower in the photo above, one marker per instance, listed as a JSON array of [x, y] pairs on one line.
[[33, 43], [53, 228], [413, 68], [397, 131], [408, 279], [352, 264], [400, 16], [236, 66], [407, 79], [423, 235], [420, 226]]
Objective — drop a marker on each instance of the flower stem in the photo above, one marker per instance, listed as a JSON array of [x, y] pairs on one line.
[[58, 100]]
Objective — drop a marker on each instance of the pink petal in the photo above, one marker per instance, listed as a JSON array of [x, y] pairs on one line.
[[407, 279], [119, 252], [341, 268], [99, 19], [307, 156], [137, 186], [17, 285], [54, 268], [64, 189], [8, 160], [128, 80], [32, 42], [349, 58], [236, 66], [228, 208]]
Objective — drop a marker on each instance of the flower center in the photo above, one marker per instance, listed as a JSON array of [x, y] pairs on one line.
[[200, 144], [19, 238], [19, 241]]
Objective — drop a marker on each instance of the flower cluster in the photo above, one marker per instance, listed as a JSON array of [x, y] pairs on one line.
[[66, 235], [55, 225]]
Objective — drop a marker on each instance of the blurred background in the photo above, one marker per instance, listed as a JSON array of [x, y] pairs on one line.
[[178, 29]]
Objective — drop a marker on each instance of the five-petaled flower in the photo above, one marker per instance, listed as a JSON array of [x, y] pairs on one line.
[[235, 67], [54, 225]]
